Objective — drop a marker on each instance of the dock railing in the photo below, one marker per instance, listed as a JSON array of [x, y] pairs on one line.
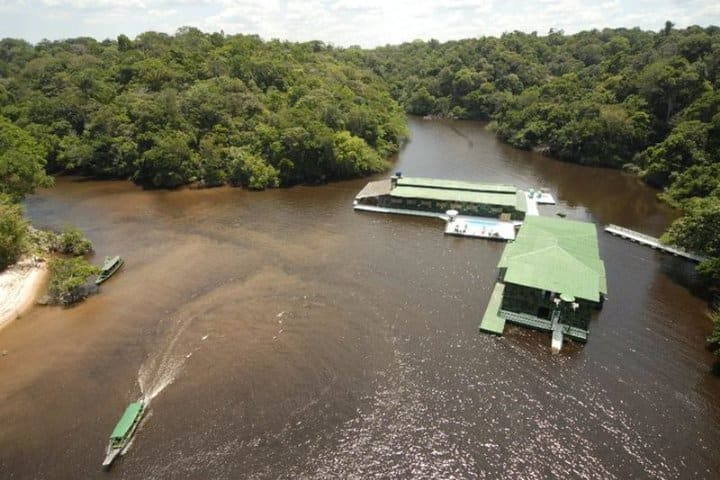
[[652, 242]]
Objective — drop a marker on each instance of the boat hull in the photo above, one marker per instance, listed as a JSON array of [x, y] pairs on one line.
[[110, 457], [107, 273], [118, 445]]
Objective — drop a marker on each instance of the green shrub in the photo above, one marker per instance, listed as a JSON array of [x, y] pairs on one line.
[[68, 279], [72, 242], [13, 230], [250, 170], [714, 338]]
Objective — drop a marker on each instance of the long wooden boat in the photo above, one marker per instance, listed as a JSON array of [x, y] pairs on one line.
[[124, 431], [110, 266]]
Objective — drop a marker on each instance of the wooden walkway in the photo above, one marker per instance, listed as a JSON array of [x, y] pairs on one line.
[[401, 211], [492, 322], [652, 242]]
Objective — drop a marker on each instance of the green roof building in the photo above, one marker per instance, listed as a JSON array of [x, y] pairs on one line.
[[437, 195], [453, 185], [553, 277]]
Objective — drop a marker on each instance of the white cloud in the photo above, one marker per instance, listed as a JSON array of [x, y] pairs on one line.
[[343, 22], [93, 4]]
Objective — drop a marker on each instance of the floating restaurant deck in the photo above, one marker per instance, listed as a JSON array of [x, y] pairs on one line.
[[374, 189], [492, 322], [492, 211], [400, 194], [652, 242]]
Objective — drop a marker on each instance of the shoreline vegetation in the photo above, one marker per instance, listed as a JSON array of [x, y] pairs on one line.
[[210, 109], [48, 259]]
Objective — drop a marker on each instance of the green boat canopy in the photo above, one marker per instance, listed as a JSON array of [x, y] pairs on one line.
[[126, 421], [556, 255]]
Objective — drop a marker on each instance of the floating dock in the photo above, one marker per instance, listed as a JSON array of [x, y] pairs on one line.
[[652, 242], [542, 197], [535, 198], [401, 211], [492, 322]]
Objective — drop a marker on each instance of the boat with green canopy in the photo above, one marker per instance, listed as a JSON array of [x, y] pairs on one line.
[[124, 431], [111, 265]]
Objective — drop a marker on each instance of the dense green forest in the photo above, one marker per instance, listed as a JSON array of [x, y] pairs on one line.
[[199, 108]]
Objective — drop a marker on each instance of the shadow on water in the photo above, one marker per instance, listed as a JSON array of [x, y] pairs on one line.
[[461, 134], [683, 273]]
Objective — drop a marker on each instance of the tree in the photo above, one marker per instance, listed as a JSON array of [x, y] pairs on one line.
[[250, 170], [13, 230], [71, 241], [714, 338], [213, 169], [353, 157], [696, 181], [22, 162], [669, 85], [421, 102], [68, 279], [169, 163], [124, 43], [684, 147], [668, 27], [698, 230]]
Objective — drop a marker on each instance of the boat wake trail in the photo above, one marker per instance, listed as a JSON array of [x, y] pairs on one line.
[[162, 368]]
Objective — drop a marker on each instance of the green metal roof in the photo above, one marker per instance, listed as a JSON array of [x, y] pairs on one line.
[[505, 199], [558, 255], [127, 420], [455, 185]]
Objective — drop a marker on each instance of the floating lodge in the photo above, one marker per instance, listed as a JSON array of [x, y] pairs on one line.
[[436, 196], [550, 277], [471, 209]]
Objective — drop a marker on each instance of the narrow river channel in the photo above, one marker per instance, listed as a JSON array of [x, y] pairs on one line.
[[280, 334]]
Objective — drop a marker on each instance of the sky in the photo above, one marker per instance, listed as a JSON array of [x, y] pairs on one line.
[[367, 23]]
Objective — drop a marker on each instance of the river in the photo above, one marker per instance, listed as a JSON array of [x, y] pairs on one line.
[[280, 334]]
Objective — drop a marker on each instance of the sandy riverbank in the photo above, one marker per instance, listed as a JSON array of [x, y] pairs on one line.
[[19, 287]]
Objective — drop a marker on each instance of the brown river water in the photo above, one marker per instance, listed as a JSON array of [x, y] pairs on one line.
[[280, 334]]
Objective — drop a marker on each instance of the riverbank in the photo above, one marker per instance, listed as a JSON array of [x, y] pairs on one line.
[[19, 287]]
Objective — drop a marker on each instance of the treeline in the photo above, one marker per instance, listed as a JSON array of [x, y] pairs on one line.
[[22, 171], [200, 108], [625, 98]]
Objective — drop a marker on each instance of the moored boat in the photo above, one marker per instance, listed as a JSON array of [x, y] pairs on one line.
[[124, 431], [111, 265]]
